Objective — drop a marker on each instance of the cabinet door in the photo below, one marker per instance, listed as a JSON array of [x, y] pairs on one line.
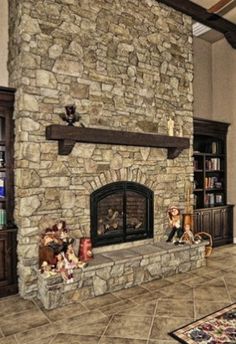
[[227, 220], [218, 216], [8, 277], [206, 225], [197, 221], [4, 259]]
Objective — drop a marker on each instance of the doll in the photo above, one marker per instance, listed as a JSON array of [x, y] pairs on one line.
[[187, 236], [69, 266], [174, 220], [70, 255], [46, 269], [60, 267]]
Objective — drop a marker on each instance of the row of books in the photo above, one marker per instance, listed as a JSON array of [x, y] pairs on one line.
[[212, 182], [213, 164], [210, 164], [211, 200]]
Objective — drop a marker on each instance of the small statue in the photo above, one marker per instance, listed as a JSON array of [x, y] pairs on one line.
[[70, 255], [70, 115], [174, 219], [187, 236], [46, 269], [170, 125], [60, 267]]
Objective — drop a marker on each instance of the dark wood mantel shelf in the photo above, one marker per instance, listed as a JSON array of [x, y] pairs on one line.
[[67, 136]]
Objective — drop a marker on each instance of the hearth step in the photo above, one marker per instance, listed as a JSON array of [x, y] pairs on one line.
[[119, 269]]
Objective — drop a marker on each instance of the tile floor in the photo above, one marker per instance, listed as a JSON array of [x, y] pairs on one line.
[[139, 315]]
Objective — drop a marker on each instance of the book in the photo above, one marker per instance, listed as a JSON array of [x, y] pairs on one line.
[[2, 218], [2, 187]]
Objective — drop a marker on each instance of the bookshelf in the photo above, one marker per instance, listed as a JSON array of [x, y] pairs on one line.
[[212, 213], [8, 276]]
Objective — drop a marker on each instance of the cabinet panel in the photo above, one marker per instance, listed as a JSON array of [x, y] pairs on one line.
[[217, 223], [197, 225], [206, 221], [8, 276], [228, 224], [3, 254]]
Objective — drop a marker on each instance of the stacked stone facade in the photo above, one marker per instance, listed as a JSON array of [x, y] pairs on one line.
[[127, 65]]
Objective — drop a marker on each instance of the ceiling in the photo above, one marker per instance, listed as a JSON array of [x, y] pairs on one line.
[[228, 12]]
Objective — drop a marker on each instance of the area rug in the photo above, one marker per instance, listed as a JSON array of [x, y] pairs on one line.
[[215, 328]]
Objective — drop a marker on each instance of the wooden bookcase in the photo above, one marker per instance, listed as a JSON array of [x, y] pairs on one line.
[[8, 276], [212, 213]]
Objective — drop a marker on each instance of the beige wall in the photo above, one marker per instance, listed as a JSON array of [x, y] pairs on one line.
[[215, 65], [3, 42], [224, 106], [202, 83]]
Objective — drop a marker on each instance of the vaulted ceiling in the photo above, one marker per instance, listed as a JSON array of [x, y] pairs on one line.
[[219, 15], [228, 11]]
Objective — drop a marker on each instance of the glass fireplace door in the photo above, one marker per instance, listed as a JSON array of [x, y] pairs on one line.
[[120, 212]]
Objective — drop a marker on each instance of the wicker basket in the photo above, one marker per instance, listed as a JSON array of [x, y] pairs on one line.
[[205, 236]]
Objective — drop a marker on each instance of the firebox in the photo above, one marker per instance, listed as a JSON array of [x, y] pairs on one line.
[[121, 212]]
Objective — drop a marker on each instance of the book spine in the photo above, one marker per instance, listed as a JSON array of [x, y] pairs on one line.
[[2, 187], [2, 218]]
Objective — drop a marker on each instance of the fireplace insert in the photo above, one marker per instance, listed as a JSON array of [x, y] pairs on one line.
[[121, 212]]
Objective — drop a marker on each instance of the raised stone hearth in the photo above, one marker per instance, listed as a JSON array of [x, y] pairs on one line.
[[119, 269]]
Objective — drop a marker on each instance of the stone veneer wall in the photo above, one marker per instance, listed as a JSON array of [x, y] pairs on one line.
[[128, 66]]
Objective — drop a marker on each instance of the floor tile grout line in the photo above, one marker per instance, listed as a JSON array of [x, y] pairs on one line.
[[20, 312], [83, 305], [106, 327], [124, 337], [226, 287], [1, 332], [194, 305], [152, 322], [15, 337], [46, 316], [51, 341]]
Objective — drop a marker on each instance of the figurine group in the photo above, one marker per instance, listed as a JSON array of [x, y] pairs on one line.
[[179, 234], [56, 252]]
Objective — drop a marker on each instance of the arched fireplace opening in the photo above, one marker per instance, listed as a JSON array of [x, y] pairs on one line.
[[121, 212]]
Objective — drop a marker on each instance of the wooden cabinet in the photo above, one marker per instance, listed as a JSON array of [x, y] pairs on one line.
[[8, 276], [217, 221], [212, 214]]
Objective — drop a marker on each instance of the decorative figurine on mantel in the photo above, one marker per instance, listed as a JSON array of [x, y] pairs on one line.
[[175, 222], [170, 126], [71, 116]]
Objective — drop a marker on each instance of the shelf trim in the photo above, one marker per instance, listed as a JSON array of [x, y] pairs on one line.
[[67, 136]]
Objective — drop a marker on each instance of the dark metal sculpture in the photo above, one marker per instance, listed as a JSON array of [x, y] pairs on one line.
[[70, 116]]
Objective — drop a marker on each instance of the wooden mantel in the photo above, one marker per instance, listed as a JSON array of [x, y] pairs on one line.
[[67, 136]]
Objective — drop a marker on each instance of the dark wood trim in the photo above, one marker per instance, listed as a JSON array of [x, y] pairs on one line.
[[69, 135], [201, 15], [202, 126], [8, 255]]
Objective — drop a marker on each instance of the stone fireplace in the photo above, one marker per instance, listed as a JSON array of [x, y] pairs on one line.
[[127, 66]]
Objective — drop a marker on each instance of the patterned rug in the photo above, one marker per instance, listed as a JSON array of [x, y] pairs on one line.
[[216, 328]]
